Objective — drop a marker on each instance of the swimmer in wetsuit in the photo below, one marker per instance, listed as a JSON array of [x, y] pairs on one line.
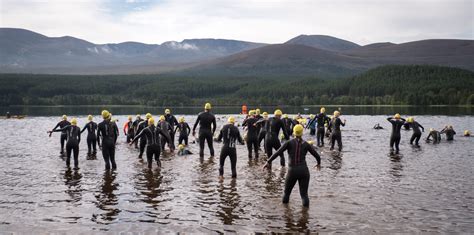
[[64, 122], [184, 131], [435, 135], [416, 130], [107, 137], [378, 127], [172, 121], [397, 123], [91, 128], [207, 127], [297, 168], [73, 138], [230, 134], [153, 143], [252, 134], [335, 127], [449, 131], [272, 129]]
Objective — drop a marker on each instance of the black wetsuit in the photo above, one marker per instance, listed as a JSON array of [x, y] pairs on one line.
[[252, 135], [172, 121], [166, 127], [106, 132], [135, 128], [153, 143], [416, 132], [73, 138], [297, 170], [289, 124], [335, 126], [230, 134], [184, 131], [321, 119], [130, 131], [272, 129], [261, 129], [91, 128], [395, 136], [206, 121], [449, 133], [406, 126], [142, 125], [436, 136], [61, 125]]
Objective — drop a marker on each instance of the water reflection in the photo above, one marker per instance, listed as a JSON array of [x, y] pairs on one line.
[[335, 162], [229, 202], [106, 199], [152, 183], [273, 182], [396, 167], [72, 179], [301, 222]]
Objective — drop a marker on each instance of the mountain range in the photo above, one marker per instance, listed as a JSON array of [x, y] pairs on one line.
[[24, 51]]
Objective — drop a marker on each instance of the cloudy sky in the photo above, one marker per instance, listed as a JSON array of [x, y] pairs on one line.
[[270, 21]]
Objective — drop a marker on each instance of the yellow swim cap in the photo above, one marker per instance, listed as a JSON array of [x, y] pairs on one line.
[[167, 111], [265, 114], [285, 115], [64, 117], [336, 113], [148, 115], [257, 111], [298, 130], [231, 120], [138, 116], [89, 117], [397, 116], [207, 106], [181, 119], [151, 121], [466, 132], [322, 110], [74, 122], [129, 118], [162, 118], [181, 146], [105, 114], [252, 112], [410, 119], [431, 129], [278, 112], [311, 116]]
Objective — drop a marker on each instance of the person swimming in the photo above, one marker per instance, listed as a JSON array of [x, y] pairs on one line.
[[378, 127], [182, 150]]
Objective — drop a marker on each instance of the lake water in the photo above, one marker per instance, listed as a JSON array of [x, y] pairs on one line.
[[362, 190]]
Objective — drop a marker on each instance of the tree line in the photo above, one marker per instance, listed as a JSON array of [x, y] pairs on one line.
[[385, 85]]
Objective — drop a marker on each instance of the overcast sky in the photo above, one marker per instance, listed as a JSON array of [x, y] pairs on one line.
[[270, 21]]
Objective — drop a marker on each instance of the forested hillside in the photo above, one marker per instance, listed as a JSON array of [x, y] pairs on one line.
[[386, 85]]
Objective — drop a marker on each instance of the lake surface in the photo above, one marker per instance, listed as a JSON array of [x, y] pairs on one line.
[[362, 190]]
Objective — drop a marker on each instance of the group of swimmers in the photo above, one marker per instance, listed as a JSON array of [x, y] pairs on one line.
[[152, 136]]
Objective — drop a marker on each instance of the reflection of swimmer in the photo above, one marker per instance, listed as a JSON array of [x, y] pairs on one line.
[[436, 136], [449, 131], [378, 127], [298, 170], [182, 150]]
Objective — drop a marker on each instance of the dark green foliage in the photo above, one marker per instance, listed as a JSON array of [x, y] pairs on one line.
[[386, 85]]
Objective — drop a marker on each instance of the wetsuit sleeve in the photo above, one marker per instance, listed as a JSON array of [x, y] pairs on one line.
[[84, 128], [314, 153], [61, 129], [403, 119], [166, 135], [239, 137], [429, 136], [390, 119], [285, 133], [342, 123], [57, 125], [175, 129], [79, 137], [245, 122], [175, 121], [98, 135], [214, 125], [198, 119], [137, 136], [278, 152], [189, 129], [421, 127], [259, 122], [219, 138]]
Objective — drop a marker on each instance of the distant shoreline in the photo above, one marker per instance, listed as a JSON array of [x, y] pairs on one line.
[[232, 106]]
